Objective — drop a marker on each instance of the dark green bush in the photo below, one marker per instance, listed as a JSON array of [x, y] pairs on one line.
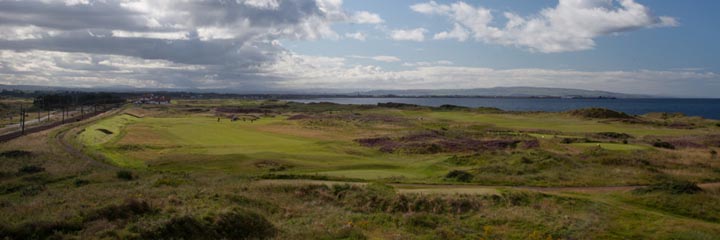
[[39, 230], [126, 210], [81, 182], [30, 169], [662, 144], [599, 113], [235, 224], [125, 175], [672, 187], [15, 154], [613, 135], [459, 175]]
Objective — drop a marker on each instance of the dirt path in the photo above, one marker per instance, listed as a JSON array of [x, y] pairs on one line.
[[61, 139]]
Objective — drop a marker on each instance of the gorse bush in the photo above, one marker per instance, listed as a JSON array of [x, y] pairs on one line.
[[599, 113], [662, 144], [460, 176], [16, 154], [39, 230], [234, 224], [125, 175], [30, 169], [672, 187], [128, 209], [379, 199]]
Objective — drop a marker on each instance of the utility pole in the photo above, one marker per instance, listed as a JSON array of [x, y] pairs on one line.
[[22, 120]]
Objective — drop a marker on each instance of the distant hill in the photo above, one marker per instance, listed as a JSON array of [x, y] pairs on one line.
[[479, 92], [507, 92]]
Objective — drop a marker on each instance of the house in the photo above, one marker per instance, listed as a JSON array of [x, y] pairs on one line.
[[153, 99]]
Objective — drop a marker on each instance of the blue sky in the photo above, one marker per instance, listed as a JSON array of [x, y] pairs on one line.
[[692, 44], [663, 47]]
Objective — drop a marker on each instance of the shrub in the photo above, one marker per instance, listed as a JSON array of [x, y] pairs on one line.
[[460, 176], [672, 187], [599, 113], [30, 169], [128, 209], [39, 230], [235, 224], [15, 154], [81, 182], [125, 175], [662, 144], [613, 135]]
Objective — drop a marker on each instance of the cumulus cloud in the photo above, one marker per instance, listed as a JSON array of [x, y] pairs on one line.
[[572, 25], [356, 35], [367, 17], [417, 34], [223, 42]]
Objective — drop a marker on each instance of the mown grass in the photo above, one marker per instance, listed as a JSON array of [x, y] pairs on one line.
[[322, 143]]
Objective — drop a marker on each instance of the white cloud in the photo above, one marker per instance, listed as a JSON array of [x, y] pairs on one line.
[[356, 35], [570, 26], [381, 58], [426, 64], [458, 32], [367, 17], [263, 4], [322, 72], [417, 34]]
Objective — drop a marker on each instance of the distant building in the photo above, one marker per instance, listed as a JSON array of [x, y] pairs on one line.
[[153, 99]]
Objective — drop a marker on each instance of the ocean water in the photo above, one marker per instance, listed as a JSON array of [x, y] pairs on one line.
[[707, 108]]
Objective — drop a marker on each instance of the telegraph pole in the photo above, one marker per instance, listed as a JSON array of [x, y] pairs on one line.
[[22, 120]]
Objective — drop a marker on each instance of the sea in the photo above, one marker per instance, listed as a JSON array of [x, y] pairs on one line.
[[707, 108]]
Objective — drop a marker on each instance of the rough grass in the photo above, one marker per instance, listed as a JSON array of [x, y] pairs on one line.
[[200, 180]]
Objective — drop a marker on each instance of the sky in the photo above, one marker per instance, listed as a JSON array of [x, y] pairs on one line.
[[659, 47]]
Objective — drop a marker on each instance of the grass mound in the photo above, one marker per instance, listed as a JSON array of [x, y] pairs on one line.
[[599, 113]]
